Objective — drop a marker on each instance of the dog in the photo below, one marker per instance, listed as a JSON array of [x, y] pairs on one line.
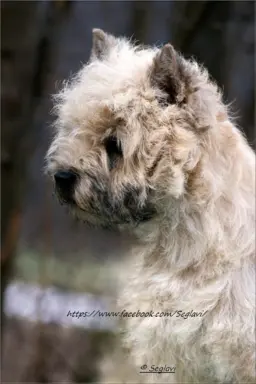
[[145, 144]]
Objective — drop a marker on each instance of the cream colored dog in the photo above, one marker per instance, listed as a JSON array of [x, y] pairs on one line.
[[145, 144]]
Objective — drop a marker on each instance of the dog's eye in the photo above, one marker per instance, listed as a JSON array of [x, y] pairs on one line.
[[114, 151]]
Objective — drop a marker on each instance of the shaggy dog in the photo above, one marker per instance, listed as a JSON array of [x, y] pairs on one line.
[[144, 143]]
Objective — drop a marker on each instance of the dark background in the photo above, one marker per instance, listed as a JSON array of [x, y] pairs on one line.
[[43, 43]]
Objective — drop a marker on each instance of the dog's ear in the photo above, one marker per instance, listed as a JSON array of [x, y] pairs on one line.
[[168, 73], [101, 43]]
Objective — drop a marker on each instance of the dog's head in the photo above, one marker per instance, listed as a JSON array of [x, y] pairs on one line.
[[128, 131]]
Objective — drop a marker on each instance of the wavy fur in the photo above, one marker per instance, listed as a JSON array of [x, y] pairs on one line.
[[188, 163]]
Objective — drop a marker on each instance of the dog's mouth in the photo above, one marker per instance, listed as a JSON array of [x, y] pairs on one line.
[[101, 211], [113, 218]]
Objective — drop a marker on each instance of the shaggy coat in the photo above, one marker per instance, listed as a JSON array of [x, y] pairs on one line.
[[155, 152]]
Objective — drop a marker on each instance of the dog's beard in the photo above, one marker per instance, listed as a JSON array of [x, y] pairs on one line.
[[101, 211]]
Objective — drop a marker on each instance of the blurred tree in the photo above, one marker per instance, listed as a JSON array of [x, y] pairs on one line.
[[221, 36], [26, 34], [19, 53], [140, 20]]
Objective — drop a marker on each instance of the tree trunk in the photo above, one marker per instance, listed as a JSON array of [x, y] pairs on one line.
[[25, 60], [220, 35]]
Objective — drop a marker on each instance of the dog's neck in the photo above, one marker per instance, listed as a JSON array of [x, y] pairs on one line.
[[211, 227]]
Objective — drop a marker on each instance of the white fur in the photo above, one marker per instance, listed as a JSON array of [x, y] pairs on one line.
[[199, 253]]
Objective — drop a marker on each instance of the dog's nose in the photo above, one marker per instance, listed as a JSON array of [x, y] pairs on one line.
[[65, 182]]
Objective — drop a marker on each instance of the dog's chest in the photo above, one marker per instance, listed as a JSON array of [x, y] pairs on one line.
[[165, 321]]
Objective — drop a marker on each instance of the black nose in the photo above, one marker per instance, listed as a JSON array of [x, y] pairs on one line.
[[65, 183]]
